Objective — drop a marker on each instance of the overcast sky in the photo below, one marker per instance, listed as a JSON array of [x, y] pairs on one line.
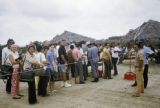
[[30, 20]]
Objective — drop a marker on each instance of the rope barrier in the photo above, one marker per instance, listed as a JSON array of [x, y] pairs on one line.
[[7, 73]]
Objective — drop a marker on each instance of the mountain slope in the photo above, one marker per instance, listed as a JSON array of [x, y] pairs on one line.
[[70, 37], [148, 30]]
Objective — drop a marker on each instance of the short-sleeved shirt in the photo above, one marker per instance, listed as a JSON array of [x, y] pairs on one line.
[[40, 57], [105, 54], [51, 57], [139, 58], [28, 59], [115, 51], [62, 51], [147, 51], [5, 52]]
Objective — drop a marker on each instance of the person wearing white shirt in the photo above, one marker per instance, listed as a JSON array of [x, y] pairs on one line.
[[14, 59], [115, 50], [5, 52], [43, 79]]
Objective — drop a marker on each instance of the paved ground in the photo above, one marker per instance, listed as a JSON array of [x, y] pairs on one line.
[[114, 93]]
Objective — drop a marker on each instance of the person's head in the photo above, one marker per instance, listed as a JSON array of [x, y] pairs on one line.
[[31, 49], [138, 46], [113, 44], [141, 41], [106, 45], [94, 44], [14, 48], [10, 42], [63, 42], [52, 47], [72, 47], [46, 48], [78, 45], [39, 48]]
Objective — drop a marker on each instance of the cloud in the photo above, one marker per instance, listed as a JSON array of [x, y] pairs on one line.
[[29, 20]]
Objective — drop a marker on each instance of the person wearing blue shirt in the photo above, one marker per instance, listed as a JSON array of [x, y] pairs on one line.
[[147, 51], [52, 59], [94, 58]]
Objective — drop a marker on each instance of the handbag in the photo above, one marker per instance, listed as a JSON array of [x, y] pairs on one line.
[[27, 76], [6, 70]]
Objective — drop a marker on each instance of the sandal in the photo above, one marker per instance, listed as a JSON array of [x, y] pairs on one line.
[[16, 97], [20, 95]]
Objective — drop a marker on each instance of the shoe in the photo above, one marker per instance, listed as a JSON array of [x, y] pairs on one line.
[[135, 95], [8, 92], [16, 97], [34, 103], [54, 91], [20, 95], [82, 82], [115, 74], [133, 85], [110, 78], [45, 95], [95, 80], [67, 84]]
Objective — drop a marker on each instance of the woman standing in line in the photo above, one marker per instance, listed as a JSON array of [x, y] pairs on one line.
[[14, 59], [30, 60]]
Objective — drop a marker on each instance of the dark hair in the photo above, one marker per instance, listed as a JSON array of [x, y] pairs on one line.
[[39, 48], [10, 40], [139, 44], [45, 47], [72, 47], [106, 44], [78, 44], [51, 45]]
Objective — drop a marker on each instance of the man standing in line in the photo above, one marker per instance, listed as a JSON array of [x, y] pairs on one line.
[[63, 62], [5, 52], [77, 55], [94, 58]]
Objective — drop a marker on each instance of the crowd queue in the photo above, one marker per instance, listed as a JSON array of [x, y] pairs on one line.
[[63, 58]]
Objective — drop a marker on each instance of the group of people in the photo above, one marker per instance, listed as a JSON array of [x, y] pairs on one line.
[[63, 57]]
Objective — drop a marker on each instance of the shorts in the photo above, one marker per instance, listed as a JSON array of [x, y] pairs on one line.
[[62, 68]]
